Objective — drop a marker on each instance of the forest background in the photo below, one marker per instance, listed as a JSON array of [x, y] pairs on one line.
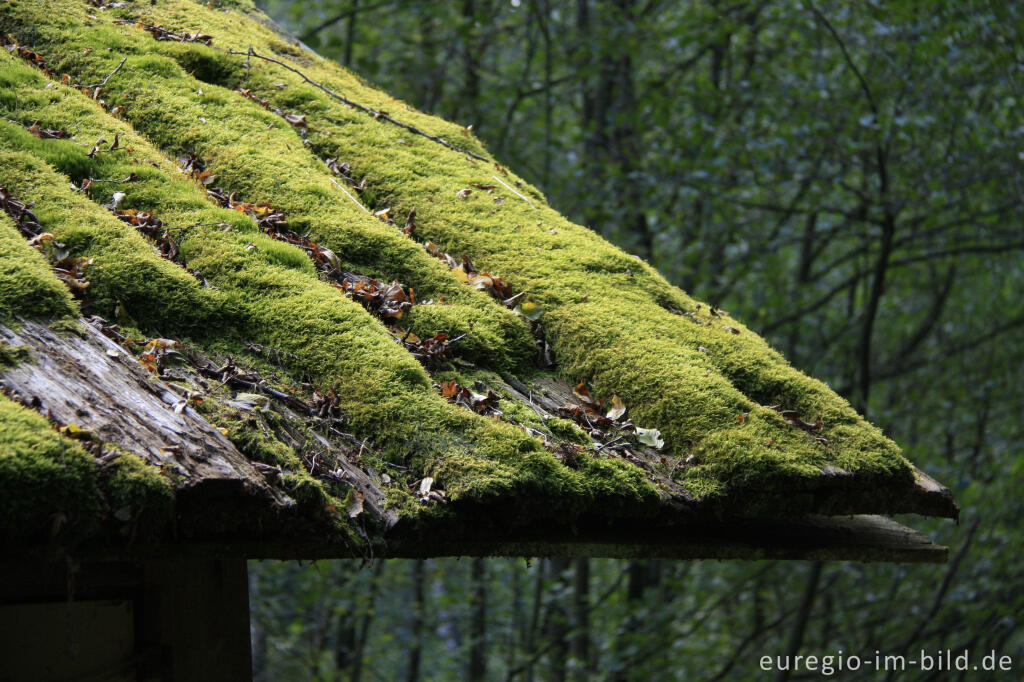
[[846, 178]]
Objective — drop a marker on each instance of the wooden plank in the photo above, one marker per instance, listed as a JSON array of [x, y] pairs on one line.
[[865, 538], [84, 378]]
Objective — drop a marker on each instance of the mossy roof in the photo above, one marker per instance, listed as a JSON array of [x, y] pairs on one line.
[[726, 427]]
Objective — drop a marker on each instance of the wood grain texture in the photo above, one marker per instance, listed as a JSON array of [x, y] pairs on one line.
[[83, 378]]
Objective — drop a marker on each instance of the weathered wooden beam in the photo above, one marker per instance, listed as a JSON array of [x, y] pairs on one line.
[[854, 538], [80, 377], [862, 538]]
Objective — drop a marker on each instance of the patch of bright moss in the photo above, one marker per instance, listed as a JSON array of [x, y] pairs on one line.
[[246, 433], [28, 287], [258, 155], [48, 484], [136, 491], [125, 267]]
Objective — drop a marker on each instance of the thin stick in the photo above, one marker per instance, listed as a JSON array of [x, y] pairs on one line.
[[354, 200], [515, 192], [182, 228], [373, 112], [97, 181], [109, 76]]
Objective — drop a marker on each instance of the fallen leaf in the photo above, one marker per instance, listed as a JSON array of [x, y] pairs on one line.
[[582, 391], [424, 491], [651, 437], [410, 222], [512, 301], [530, 310], [618, 408], [353, 503]]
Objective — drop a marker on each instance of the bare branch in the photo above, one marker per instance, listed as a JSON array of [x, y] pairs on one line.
[[380, 115], [341, 16]]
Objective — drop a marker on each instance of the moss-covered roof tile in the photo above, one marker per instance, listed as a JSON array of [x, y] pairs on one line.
[[389, 308]]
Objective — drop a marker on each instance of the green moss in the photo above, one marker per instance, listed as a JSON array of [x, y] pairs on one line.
[[11, 356], [610, 318], [256, 154], [138, 492], [48, 484], [267, 294], [125, 267], [250, 439], [28, 287], [51, 488]]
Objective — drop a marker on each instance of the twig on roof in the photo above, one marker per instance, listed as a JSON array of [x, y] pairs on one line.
[[356, 201], [88, 182], [248, 64], [109, 76], [514, 192], [184, 228], [380, 115], [608, 444]]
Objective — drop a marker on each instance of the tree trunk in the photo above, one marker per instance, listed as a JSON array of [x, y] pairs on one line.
[[478, 631], [581, 619], [258, 631], [364, 624], [558, 624], [796, 637], [416, 650], [530, 637]]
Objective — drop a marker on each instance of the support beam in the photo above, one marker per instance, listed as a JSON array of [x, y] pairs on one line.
[[196, 612]]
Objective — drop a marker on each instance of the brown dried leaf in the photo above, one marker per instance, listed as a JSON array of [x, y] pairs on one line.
[[582, 391]]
